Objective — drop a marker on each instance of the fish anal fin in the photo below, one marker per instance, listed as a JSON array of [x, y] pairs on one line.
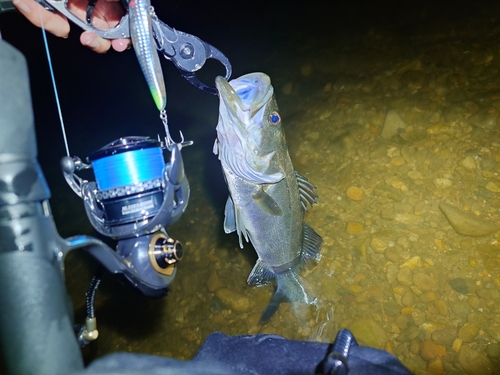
[[266, 203], [306, 191], [260, 274], [311, 244], [229, 216]]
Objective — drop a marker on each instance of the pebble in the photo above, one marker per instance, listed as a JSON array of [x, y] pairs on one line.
[[213, 282], [408, 299], [468, 163], [474, 362], [466, 223], [461, 308], [408, 334], [378, 245], [473, 301], [442, 307], [491, 186], [459, 285], [424, 282], [468, 332], [233, 299], [429, 349], [442, 183], [429, 296], [435, 366], [391, 124], [493, 350], [391, 308], [405, 276], [368, 333], [354, 227], [354, 193], [444, 336]]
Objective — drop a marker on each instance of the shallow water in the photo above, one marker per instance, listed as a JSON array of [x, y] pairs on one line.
[[389, 113]]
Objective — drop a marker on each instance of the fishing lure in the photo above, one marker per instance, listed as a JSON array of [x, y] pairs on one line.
[[141, 33]]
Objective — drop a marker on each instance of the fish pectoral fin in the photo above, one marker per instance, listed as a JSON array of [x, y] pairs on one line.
[[306, 191], [232, 222], [311, 244], [229, 216], [260, 273], [266, 203], [215, 149]]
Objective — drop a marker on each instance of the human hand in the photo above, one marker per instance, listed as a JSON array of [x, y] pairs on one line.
[[107, 14]]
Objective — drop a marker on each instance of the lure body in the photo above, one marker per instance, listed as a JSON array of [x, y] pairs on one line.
[[141, 33]]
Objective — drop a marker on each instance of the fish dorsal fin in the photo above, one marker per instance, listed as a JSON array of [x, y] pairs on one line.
[[306, 191], [232, 221], [266, 203], [311, 244], [260, 273]]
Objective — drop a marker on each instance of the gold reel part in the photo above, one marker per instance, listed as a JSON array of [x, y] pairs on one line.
[[164, 252]]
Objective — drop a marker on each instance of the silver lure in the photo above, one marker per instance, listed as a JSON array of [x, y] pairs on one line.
[[141, 33], [268, 198]]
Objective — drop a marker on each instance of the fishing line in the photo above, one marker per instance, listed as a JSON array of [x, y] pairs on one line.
[[56, 94]]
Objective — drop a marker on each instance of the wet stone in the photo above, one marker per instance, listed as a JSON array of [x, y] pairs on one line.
[[474, 362], [467, 223], [391, 308], [429, 349], [391, 272], [473, 301], [468, 332], [408, 299], [233, 299], [408, 334], [368, 332], [424, 282], [493, 350], [401, 321], [354, 193], [468, 163], [461, 308], [354, 227], [391, 124], [388, 192], [442, 307], [444, 337], [435, 366], [459, 285], [429, 296], [405, 276], [486, 118], [421, 208]]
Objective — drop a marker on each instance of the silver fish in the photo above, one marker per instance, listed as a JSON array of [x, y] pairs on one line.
[[267, 197]]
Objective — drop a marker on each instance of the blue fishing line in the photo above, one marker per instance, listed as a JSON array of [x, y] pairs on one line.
[[128, 168]]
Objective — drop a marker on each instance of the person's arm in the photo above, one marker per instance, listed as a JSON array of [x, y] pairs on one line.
[[107, 13]]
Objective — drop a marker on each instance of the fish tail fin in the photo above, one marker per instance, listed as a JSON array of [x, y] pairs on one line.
[[290, 288], [311, 245]]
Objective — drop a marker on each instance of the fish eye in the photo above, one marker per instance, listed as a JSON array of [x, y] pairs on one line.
[[275, 118]]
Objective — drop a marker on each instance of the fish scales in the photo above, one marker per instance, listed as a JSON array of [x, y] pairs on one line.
[[141, 34], [267, 197]]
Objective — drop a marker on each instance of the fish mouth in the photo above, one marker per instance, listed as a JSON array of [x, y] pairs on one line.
[[246, 93]]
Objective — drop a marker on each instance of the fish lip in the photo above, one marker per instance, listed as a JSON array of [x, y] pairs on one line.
[[228, 94]]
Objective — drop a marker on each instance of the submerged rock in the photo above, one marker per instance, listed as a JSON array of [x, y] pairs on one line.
[[466, 223], [391, 125]]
